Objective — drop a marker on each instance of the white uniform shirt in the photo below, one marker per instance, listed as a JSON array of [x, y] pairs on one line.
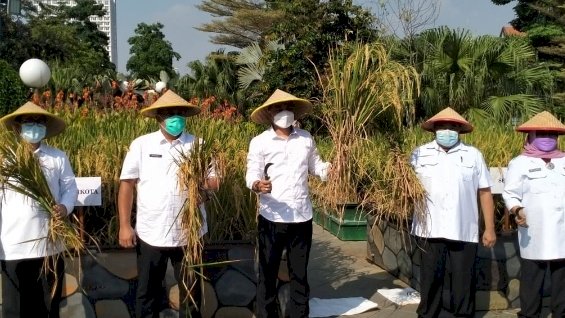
[[292, 159], [150, 161], [451, 180], [23, 225], [541, 191]]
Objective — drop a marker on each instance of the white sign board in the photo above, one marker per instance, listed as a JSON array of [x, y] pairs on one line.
[[89, 191], [497, 174]]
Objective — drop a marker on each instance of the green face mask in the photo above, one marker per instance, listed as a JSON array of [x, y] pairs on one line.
[[174, 125]]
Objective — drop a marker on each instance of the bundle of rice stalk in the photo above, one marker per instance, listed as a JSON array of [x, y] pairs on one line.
[[194, 169], [399, 196], [21, 172]]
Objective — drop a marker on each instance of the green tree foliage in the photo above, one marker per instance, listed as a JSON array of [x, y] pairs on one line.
[[484, 76], [62, 34], [150, 52], [309, 29], [15, 38], [13, 92], [544, 23], [238, 23], [89, 35]]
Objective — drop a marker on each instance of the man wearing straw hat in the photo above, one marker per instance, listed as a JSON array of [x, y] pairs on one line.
[[453, 174], [28, 290], [150, 167], [278, 164], [534, 192]]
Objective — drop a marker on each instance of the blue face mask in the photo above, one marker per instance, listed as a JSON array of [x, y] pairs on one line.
[[174, 125], [447, 138], [33, 133]]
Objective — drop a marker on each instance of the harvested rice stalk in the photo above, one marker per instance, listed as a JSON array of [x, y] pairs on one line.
[[195, 168]]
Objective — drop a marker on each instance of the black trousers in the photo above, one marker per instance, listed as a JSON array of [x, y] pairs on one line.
[[28, 291], [532, 274], [435, 255], [273, 238], [151, 269]]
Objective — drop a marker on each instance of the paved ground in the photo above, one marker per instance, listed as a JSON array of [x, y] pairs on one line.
[[339, 269]]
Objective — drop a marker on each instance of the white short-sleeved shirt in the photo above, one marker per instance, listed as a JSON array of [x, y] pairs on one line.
[[151, 161], [293, 159], [531, 184], [451, 180], [23, 225]]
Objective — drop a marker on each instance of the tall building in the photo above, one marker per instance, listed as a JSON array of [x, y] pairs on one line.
[[106, 24]]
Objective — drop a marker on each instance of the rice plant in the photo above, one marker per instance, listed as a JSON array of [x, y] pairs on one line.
[[364, 92]]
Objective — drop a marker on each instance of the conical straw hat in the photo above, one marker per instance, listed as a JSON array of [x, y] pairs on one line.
[[300, 107], [448, 115], [543, 121], [170, 100], [54, 124]]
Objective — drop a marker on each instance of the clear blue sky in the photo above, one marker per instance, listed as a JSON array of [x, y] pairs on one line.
[[179, 18]]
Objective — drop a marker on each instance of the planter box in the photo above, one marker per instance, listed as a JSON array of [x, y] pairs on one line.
[[353, 226], [347, 230]]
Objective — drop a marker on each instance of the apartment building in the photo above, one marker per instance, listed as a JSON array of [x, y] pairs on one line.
[[106, 24]]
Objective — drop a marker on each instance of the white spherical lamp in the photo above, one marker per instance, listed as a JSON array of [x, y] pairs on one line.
[[124, 86], [159, 86], [35, 73]]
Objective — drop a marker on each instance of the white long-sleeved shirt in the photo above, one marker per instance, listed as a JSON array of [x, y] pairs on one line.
[[23, 225], [293, 159], [151, 161], [451, 180], [530, 184]]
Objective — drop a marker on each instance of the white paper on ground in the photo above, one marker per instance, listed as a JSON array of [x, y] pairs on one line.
[[401, 296], [340, 306]]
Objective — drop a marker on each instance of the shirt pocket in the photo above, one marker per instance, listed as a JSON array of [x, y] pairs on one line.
[[467, 169], [426, 169], [538, 181]]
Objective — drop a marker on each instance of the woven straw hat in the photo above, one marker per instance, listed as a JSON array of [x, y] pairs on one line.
[[448, 115], [54, 124], [170, 100], [543, 121], [300, 107]]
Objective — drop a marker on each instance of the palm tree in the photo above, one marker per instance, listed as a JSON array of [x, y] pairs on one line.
[[253, 62], [215, 77], [480, 76]]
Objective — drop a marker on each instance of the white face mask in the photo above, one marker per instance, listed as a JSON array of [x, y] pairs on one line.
[[32, 132], [283, 119]]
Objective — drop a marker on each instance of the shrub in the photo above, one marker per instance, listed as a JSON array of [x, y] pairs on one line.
[[12, 91]]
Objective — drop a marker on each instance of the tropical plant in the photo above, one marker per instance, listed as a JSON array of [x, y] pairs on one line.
[[363, 87], [217, 76], [482, 76], [253, 62], [543, 22]]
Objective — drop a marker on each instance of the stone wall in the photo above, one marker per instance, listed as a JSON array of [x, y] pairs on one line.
[[108, 281], [497, 268]]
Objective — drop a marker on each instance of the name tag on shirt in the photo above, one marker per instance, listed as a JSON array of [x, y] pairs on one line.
[[155, 155], [534, 170]]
